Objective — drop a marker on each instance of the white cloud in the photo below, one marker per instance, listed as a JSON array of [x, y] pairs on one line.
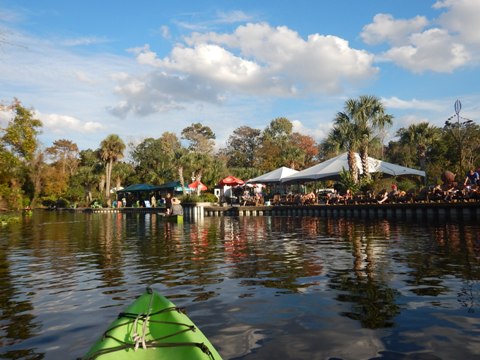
[[452, 44], [405, 121], [433, 50], [5, 117], [462, 18], [413, 104], [86, 40], [10, 16], [207, 21], [319, 133], [256, 59], [65, 124], [387, 29], [236, 16], [165, 31]]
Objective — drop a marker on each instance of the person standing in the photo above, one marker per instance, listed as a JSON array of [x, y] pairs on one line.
[[168, 203], [177, 208]]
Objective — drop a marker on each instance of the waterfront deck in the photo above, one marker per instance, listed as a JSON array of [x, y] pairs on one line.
[[426, 210], [444, 210]]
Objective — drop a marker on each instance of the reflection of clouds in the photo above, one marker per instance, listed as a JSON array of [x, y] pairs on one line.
[[237, 340], [337, 342], [441, 337]]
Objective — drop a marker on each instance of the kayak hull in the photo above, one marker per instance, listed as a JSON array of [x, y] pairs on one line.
[[152, 327], [174, 218]]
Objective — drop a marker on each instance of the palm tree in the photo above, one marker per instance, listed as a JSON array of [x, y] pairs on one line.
[[356, 127], [369, 118], [344, 136], [111, 150], [423, 135]]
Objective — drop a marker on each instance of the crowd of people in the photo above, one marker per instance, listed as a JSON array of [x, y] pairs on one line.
[[448, 191]]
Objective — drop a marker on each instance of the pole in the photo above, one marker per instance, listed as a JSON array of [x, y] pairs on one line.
[[458, 107]]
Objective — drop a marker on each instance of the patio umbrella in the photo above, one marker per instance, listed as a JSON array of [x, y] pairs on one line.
[[198, 185], [231, 181]]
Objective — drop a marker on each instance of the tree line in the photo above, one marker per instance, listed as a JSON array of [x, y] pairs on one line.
[[32, 174]]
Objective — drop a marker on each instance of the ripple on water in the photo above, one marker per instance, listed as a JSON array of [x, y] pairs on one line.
[[259, 287]]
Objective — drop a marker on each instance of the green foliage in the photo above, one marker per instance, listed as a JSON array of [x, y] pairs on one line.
[[154, 159], [62, 203], [208, 197], [12, 196], [354, 130], [190, 199], [48, 201], [8, 219], [53, 202], [88, 174], [21, 132], [200, 138], [96, 204], [347, 182], [193, 198], [241, 147]]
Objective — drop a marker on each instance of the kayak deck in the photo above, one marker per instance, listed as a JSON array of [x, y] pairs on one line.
[[152, 327]]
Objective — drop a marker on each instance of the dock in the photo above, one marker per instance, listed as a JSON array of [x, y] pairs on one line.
[[405, 211]]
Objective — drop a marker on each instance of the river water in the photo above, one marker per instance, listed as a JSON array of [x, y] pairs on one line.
[[258, 287]]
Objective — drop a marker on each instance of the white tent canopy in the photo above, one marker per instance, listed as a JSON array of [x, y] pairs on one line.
[[274, 176], [332, 168]]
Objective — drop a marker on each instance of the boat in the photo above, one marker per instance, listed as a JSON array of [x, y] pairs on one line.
[[174, 218], [152, 327]]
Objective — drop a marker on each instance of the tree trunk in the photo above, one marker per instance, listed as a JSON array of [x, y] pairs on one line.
[[352, 164], [198, 178], [180, 176], [364, 159], [36, 165], [108, 180]]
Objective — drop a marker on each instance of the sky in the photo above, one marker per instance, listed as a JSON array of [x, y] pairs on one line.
[[89, 69]]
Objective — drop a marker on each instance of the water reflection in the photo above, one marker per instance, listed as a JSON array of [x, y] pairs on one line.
[[260, 287]]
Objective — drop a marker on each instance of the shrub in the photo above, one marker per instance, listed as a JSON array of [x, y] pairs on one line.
[[209, 197], [62, 203], [96, 204], [194, 198], [12, 196]]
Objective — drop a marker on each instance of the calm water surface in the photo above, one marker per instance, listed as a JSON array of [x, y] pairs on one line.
[[258, 287]]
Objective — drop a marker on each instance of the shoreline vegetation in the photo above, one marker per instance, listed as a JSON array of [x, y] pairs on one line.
[[62, 175]]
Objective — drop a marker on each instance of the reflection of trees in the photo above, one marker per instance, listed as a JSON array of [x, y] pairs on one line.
[[110, 260], [17, 323], [455, 252], [373, 302], [270, 256], [432, 255]]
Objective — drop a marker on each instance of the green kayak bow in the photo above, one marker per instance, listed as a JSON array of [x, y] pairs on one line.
[[152, 327]]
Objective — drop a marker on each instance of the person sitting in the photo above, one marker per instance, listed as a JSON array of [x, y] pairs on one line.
[[309, 199], [347, 198], [449, 191], [258, 198], [332, 198], [246, 198], [177, 208], [383, 196], [395, 193], [436, 193], [472, 178]]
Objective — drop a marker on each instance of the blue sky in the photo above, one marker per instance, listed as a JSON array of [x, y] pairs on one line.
[[138, 69]]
